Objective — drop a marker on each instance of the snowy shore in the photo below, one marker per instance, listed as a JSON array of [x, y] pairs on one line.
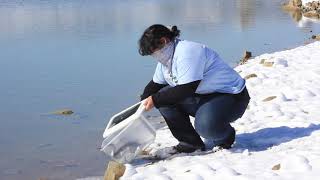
[[277, 138], [281, 126]]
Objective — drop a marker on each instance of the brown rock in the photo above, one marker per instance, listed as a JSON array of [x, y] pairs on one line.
[[268, 64], [316, 37], [311, 14], [250, 76], [63, 112], [269, 98], [276, 167], [247, 55], [309, 4], [145, 152], [262, 61], [114, 171]]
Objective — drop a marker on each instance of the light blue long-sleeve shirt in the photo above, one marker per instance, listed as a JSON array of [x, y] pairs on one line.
[[193, 61]]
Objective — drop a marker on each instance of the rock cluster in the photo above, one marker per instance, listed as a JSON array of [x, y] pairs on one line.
[[311, 9]]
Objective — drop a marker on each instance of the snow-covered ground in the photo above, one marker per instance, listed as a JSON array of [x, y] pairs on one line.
[[304, 2], [277, 138], [284, 130]]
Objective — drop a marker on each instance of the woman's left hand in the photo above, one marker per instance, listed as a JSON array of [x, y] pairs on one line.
[[148, 103]]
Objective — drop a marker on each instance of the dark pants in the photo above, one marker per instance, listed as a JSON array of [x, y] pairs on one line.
[[213, 114]]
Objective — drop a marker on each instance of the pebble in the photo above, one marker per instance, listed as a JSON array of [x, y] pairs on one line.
[[250, 76], [269, 98], [276, 167]]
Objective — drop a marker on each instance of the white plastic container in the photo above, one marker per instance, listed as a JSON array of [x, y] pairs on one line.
[[127, 134]]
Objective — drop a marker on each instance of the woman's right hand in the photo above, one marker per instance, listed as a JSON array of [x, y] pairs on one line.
[[148, 103]]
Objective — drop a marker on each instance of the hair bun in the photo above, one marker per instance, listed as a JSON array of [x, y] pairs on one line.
[[175, 31]]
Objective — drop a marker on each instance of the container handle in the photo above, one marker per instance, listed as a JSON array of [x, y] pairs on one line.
[[141, 108]]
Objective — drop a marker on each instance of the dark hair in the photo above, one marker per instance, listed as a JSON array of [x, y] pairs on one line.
[[150, 38]]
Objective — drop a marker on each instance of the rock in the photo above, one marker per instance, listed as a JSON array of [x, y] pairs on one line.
[[247, 55], [268, 64], [114, 171], [312, 10], [250, 76], [145, 152], [297, 9], [316, 37], [262, 61], [63, 112], [309, 4], [276, 167], [269, 98], [311, 14]]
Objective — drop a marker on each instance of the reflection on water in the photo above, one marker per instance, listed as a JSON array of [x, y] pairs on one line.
[[303, 22], [82, 55], [296, 15]]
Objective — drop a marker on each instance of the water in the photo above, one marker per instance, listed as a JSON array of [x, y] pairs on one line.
[[82, 54]]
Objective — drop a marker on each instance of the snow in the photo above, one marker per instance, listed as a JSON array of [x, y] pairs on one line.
[[284, 130], [304, 2]]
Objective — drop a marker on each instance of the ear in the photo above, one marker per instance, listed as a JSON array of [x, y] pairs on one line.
[[164, 40]]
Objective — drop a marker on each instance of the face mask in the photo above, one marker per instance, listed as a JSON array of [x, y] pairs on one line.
[[165, 54]]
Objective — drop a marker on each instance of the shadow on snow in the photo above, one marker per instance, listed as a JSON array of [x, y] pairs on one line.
[[268, 137]]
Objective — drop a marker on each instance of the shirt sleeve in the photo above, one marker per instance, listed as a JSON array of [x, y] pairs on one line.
[[190, 70], [150, 89], [173, 95], [158, 75]]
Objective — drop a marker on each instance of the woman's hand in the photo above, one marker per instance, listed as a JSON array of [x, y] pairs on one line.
[[148, 103]]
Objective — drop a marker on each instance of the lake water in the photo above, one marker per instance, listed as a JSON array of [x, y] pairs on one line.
[[82, 54]]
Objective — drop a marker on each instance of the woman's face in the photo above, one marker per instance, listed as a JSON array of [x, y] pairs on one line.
[[165, 53]]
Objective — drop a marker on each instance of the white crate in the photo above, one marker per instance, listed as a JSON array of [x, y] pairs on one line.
[[127, 134]]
